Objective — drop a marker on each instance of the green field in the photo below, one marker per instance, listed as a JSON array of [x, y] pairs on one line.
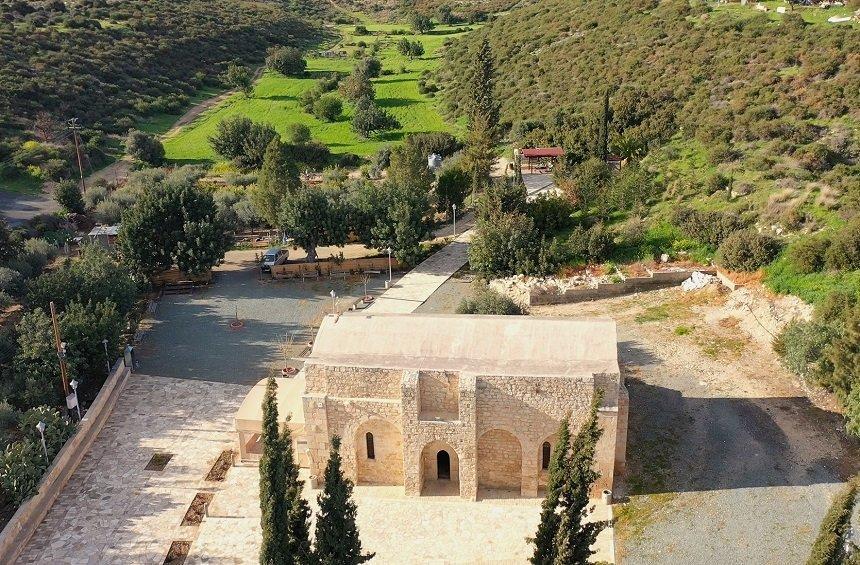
[[275, 97]]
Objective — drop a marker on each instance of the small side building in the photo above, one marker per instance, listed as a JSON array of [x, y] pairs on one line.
[[454, 404]]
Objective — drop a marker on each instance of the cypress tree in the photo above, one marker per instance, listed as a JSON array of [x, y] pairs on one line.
[[272, 502], [479, 154], [482, 100], [603, 142], [337, 541], [574, 538], [278, 178], [544, 539], [296, 538]]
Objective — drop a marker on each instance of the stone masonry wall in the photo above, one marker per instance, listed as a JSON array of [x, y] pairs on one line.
[[352, 382], [386, 468], [440, 392], [499, 461]]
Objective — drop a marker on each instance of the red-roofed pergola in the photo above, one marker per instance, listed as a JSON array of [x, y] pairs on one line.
[[541, 154]]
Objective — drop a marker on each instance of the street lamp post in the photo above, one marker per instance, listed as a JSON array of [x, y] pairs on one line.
[[333, 295], [454, 207], [389, 265], [74, 385], [107, 357], [41, 427]]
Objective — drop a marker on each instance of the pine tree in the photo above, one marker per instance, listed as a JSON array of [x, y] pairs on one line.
[[278, 178], [544, 539], [272, 501], [337, 541], [574, 538]]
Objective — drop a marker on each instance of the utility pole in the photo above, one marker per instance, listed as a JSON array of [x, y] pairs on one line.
[[75, 127], [61, 353]]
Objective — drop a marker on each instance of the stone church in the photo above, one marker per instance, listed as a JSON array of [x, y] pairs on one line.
[[453, 404]]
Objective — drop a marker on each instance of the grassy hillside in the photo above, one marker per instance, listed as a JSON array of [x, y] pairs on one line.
[[729, 109], [275, 97]]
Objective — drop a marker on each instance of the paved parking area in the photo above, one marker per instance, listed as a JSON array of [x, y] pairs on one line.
[[113, 510], [191, 336]]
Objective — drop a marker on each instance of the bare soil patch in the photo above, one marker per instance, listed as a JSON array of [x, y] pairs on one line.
[[177, 553]]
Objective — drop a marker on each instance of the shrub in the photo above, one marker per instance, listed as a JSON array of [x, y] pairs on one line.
[[844, 250], [298, 134], [68, 196], [815, 157], [328, 108], [144, 147], [109, 212], [57, 428], [506, 245], [829, 548], [6, 300], [11, 281], [9, 416], [485, 300], [808, 255], [747, 250], [21, 467], [801, 345], [550, 212], [710, 228], [452, 186], [95, 195], [42, 248], [593, 244]]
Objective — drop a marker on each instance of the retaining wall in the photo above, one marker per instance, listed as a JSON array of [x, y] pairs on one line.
[[657, 280], [327, 268], [29, 515]]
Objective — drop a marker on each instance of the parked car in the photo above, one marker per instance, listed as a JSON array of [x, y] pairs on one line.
[[272, 257]]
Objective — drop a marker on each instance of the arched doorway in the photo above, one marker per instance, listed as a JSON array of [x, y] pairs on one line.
[[543, 458], [443, 466], [440, 469], [500, 461], [378, 453]]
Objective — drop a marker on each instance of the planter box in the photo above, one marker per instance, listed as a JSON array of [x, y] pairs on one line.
[[329, 267]]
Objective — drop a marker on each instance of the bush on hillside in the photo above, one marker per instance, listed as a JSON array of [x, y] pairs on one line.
[[11, 281], [328, 108], [508, 245], [485, 300], [808, 255], [829, 546], [68, 195], [144, 147], [747, 250], [844, 251], [551, 213], [710, 228], [800, 346]]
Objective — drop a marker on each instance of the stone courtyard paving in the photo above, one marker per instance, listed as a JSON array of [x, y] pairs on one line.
[[397, 528], [114, 511]]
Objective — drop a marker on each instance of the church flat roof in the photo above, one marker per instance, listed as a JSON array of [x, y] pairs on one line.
[[491, 345]]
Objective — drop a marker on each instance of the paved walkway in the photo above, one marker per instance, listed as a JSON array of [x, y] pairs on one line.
[[399, 529], [113, 510], [417, 285]]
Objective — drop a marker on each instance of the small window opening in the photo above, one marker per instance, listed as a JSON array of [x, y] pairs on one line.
[[371, 452], [546, 450]]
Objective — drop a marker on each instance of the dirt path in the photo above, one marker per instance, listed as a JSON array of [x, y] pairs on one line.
[[728, 459], [192, 113]]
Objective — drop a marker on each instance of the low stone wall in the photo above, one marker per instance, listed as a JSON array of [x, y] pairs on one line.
[[327, 268], [656, 280], [29, 515]]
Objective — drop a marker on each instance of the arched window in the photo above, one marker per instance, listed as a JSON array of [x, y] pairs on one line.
[[371, 452], [546, 450]]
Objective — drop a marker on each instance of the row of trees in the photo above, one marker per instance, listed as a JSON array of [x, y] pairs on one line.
[[285, 515]]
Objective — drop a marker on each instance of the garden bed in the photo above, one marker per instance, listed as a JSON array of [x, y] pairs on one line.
[[197, 509], [218, 472], [177, 553]]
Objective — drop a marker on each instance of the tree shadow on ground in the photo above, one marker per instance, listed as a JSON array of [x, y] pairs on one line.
[[683, 444]]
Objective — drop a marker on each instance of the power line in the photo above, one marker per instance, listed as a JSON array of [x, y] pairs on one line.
[[74, 126]]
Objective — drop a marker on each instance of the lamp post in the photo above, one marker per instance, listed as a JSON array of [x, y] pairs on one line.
[[74, 385], [389, 265], [333, 295], [107, 358], [454, 207], [41, 427]]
